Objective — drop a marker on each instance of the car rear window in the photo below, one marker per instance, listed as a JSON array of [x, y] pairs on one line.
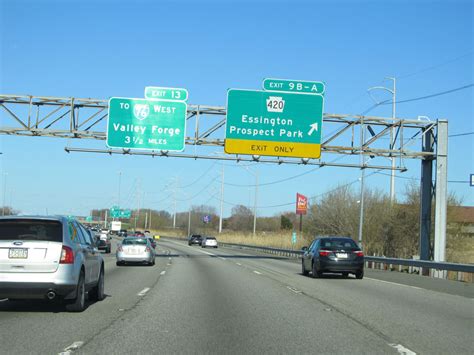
[[211, 238], [134, 241], [30, 229], [333, 244]]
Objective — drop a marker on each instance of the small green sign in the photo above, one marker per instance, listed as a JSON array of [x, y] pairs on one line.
[[308, 87], [146, 124], [125, 214], [156, 92]]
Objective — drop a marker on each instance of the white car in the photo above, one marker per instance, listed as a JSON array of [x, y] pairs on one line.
[[209, 242], [135, 250]]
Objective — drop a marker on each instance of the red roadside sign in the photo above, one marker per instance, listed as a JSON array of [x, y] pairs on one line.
[[301, 204]]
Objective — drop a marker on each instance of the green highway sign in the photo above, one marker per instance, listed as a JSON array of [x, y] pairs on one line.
[[146, 124], [155, 92], [116, 212], [274, 123], [125, 214], [309, 87]]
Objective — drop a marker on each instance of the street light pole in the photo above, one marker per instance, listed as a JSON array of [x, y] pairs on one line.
[[393, 91]]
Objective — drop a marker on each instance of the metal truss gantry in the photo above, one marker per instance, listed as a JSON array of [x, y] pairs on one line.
[[365, 138]]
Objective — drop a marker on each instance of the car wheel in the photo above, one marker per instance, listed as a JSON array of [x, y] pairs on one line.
[[345, 274], [360, 274], [97, 293], [303, 269], [118, 263], [316, 273], [79, 303], [108, 250]]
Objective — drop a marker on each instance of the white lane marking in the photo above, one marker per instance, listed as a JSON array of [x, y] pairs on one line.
[[74, 346], [394, 283], [169, 258], [220, 257], [256, 272], [238, 264], [143, 292], [402, 350], [5, 299], [292, 289], [163, 272]]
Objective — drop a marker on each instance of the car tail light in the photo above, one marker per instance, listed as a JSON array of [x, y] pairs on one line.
[[359, 253], [147, 249], [120, 248], [67, 255], [324, 253]]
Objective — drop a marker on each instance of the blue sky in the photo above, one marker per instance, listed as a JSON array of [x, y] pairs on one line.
[[102, 49]]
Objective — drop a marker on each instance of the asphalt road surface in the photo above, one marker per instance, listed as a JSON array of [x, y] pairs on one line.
[[228, 301]]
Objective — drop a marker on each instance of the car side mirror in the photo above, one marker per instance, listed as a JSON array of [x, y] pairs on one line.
[[304, 248]]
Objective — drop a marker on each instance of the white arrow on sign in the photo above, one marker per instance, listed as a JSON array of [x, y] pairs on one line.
[[314, 127]]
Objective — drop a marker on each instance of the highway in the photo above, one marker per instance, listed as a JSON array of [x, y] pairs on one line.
[[229, 301]]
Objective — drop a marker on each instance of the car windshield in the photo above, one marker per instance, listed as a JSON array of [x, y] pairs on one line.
[[31, 229], [134, 241], [338, 243]]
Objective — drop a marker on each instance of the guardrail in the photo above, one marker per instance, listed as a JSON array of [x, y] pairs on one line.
[[464, 272]]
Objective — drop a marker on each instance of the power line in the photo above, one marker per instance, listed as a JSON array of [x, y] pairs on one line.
[[461, 134], [434, 66], [283, 180], [418, 179], [428, 96], [200, 177], [311, 197]]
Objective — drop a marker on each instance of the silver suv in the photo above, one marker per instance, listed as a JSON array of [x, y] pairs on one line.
[[49, 258]]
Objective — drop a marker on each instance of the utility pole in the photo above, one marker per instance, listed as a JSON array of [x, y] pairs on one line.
[[222, 200], [4, 192]]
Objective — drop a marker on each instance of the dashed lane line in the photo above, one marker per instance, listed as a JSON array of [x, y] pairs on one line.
[[256, 272], [143, 292], [163, 272], [402, 350], [74, 346]]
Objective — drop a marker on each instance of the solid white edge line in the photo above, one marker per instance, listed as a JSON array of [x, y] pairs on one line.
[[256, 272], [142, 292], [402, 350], [393, 283]]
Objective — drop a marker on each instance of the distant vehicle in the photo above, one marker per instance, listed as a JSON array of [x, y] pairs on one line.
[[335, 255], [104, 230], [104, 242], [135, 250], [209, 242], [138, 234], [122, 233], [152, 241], [195, 239], [115, 227], [147, 233], [51, 258]]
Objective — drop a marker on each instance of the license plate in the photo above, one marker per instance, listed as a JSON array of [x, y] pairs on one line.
[[18, 253], [341, 255]]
